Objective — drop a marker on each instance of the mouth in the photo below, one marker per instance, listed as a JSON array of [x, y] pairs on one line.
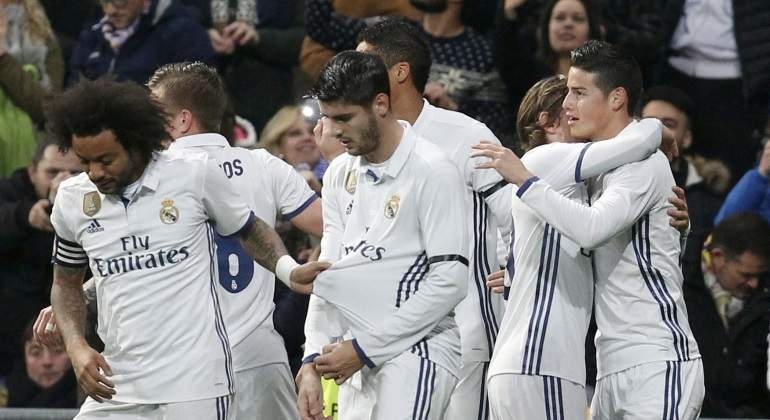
[[572, 120]]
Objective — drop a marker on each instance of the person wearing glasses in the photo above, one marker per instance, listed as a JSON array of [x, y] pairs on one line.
[[135, 37]]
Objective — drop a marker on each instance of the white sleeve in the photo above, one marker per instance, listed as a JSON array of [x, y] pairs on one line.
[[334, 227], [322, 326], [225, 208], [442, 225], [628, 193], [293, 194], [67, 252]]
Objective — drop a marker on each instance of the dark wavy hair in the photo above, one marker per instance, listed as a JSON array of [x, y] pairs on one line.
[[352, 77], [93, 106], [546, 96], [612, 67]]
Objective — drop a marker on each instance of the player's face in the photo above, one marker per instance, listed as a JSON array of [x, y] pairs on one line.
[[108, 164], [739, 275], [673, 118], [51, 164], [587, 108], [568, 26], [298, 144], [45, 365], [355, 126]]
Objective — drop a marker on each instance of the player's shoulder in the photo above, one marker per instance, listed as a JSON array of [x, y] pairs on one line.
[[459, 127], [74, 185], [546, 155]]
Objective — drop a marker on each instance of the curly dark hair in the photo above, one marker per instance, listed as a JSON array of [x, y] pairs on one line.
[[93, 106]]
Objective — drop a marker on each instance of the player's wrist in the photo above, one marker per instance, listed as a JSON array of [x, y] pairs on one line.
[[284, 268]]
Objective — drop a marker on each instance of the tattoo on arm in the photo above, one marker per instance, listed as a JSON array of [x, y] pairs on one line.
[[263, 244], [68, 302]]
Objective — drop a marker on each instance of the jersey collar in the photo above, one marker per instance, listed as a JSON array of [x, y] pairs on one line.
[[199, 140], [425, 116], [397, 161]]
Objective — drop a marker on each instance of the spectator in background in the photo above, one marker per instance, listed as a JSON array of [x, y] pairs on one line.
[[45, 379], [716, 51], [27, 238], [31, 66], [728, 305], [259, 43], [68, 18], [705, 181], [752, 192], [135, 37]]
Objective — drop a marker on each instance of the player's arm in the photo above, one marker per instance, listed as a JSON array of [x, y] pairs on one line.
[[445, 240], [294, 198]]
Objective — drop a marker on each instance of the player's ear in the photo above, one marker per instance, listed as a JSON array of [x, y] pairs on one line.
[[543, 120], [618, 98], [381, 104], [402, 71]]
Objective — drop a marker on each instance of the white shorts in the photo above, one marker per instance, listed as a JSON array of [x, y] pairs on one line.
[[265, 392], [407, 387], [469, 399], [212, 408], [533, 397], [656, 390]]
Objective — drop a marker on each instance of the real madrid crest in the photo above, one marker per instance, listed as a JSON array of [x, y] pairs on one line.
[[351, 181], [168, 213], [392, 207], [92, 203]]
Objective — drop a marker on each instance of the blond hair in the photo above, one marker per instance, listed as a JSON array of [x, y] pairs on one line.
[[274, 130], [546, 96]]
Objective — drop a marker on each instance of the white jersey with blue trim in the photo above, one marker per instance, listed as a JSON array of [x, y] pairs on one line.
[[403, 260], [548, 277], [487, 199], [640, 310], [152, 258], [269, 187]]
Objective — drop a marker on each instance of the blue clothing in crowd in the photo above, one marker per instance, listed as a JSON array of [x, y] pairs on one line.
[[750, 194]]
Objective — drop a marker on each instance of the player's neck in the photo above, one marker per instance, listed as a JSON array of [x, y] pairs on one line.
[[613, 127], [408, 105], [390, 137]]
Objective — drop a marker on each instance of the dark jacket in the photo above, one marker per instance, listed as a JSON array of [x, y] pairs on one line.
[[23, 393], [750, 18], [734, 359], [166, 34]]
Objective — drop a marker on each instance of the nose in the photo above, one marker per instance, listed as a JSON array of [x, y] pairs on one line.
[[47, 358], [568, 102], [95, 171]]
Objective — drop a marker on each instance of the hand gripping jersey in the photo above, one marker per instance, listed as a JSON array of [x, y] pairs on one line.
[[639, 306], [153, 263], [549, 276], [269, 186], [403, 247]]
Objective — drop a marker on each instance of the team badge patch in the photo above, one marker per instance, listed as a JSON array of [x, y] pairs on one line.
[[92, 203], [351, 181], [392, 207], [168, 213]]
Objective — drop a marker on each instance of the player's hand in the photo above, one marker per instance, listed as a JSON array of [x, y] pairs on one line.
[[496, 281], [302, 277], [503, 160], [679, 217], [44, 330], [38, 216], [436, 94], [240, 33], [310, 397], [330, 146], [668, 144], [764, 161], [339, 361], [91, 371]]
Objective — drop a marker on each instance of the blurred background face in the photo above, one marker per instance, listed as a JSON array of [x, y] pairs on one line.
[[673, 118], [738, 275], [122, 13], [45, 366], [568, 26], [51, 164], [298, 144], [430, 6]]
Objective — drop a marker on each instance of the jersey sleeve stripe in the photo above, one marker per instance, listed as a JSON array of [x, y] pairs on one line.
[[448, 257], [246, 226], [493, 189], [361, 355], [290, 215], [579, 165], [525, 186], [71, 244]]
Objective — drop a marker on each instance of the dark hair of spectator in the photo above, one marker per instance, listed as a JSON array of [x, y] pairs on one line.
[[93, 106], [397, 40], [545, 52], [740, 233], [612, 68], [196, 87], [674, 96], [40, 151], [352, 77], [546, 96]]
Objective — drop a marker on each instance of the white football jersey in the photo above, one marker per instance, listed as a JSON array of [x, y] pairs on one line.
[[487, 199], [269, 187], [155, 274], [403, 265], [640, 310], [549, 277]]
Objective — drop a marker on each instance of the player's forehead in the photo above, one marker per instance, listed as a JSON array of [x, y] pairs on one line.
[[337, 108], [578, 78]]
